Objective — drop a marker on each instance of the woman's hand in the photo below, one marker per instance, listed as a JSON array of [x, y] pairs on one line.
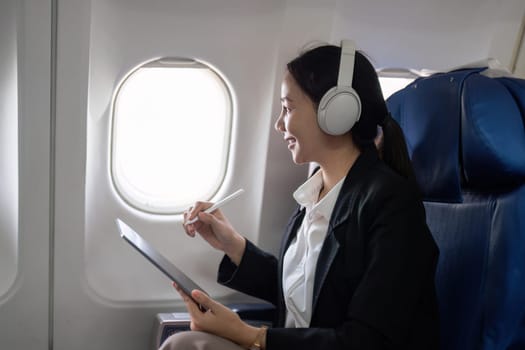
[[217, 319], [216, 230]]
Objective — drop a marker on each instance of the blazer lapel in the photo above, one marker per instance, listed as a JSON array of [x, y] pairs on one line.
[[342, 210], [329, 249], [291, 230], [326, 257]]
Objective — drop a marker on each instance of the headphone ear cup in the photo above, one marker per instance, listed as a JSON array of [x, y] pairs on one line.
[[338, 111]]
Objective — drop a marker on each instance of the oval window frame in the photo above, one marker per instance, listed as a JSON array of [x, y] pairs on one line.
[[148, 206]]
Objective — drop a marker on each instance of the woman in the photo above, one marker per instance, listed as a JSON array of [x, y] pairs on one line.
[[357, 263]]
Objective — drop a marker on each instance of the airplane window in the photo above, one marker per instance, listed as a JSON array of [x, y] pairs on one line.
[[170, 135], [390, 85]]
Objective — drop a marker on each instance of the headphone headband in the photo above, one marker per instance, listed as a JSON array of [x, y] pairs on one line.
[[346, 63]]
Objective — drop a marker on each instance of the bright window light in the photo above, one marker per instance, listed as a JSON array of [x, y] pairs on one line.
[[171, 135], [390, 85]]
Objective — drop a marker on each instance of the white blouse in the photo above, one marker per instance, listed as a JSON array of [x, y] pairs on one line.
[[300, 259]]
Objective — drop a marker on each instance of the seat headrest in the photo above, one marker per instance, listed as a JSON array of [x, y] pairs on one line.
[[493, 131], [463, 130]]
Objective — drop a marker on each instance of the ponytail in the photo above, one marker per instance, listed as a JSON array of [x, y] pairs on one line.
[[393, 149]]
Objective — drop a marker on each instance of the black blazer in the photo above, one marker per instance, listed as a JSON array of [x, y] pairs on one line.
[[374, 283]]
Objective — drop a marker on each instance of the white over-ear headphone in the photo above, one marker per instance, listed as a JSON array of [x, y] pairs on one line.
[[340, 107]]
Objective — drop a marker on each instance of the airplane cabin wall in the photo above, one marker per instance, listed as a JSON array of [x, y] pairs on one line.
[[432, 35], [126, 34], [25, 203], [518, 64], [9, 147]]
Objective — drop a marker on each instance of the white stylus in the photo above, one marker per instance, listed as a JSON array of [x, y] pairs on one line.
[[218, 204]]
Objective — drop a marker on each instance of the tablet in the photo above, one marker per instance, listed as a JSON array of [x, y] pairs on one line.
[[157, 259]]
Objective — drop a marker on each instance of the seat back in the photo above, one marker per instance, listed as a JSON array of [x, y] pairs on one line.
[[466, 138]]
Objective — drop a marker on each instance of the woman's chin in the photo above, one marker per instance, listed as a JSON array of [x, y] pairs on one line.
[[298, 160]]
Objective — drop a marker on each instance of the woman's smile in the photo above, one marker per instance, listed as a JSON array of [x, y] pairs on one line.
[[291, 141]]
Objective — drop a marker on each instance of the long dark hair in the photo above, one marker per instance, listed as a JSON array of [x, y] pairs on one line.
[[316, 70]]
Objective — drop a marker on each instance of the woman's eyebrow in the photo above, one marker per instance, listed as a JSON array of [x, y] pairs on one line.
[[286, 98]]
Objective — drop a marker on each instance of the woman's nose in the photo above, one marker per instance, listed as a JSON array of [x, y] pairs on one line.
[[279, 123]]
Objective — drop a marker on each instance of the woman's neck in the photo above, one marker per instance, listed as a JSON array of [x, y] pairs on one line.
[[336, 166]]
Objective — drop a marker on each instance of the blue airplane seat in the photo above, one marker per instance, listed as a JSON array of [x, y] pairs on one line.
[[465, 133]]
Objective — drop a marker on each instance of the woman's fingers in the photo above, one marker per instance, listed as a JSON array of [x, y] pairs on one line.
[[188, 228], [196, 209], [204, 301]]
